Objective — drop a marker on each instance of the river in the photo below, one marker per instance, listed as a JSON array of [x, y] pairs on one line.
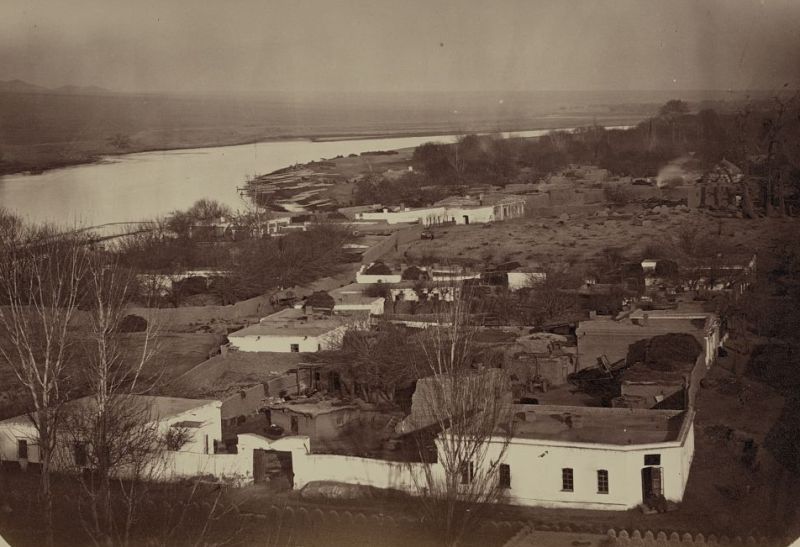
[[136, 187]]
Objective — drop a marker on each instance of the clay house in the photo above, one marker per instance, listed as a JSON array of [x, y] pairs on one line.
[[322, 421], [198, 419], [377, 272], [483, 208], [352, 298], [292, 331], [595, 458]]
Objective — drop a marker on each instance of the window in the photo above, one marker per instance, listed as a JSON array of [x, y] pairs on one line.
[[567, 482], [79, 453], [652, 459], [294, 348], [295, 424], [505, 476], [22, 449], [467, 472], [602, 481]]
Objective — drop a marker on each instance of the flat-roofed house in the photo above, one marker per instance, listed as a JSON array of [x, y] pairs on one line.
[[483, 208], [199, 418], [292, 331], [595, 457], [351, 298]]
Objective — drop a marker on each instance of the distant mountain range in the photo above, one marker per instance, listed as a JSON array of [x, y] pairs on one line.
[[19, 86]]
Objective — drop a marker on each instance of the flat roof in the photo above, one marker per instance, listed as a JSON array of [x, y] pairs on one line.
[[293, 322], [234, 370], [489, 200], [679, 313], [352, 294], [598, 425], [658, 325], [161, 407]]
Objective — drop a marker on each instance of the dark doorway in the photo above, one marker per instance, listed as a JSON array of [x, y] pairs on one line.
[[295, 425], [466, 219], [652, 482], [274, 467]]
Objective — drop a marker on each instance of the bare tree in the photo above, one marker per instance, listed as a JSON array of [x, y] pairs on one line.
[[471, 408], [114, 433], [41, 276]]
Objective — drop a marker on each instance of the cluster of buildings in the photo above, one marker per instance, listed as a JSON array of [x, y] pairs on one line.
[[478, 209], [603, 409]]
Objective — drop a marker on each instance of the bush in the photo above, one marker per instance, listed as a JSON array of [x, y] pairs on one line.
[[133, 323]]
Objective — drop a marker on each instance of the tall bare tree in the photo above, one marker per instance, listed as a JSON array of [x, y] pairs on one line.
[[41, 278], [113, 432], [471, 408]]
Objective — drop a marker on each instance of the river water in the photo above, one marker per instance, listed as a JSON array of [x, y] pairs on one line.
[[136, 187]]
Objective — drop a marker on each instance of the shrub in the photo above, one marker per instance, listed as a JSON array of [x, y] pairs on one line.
[[133, 323]]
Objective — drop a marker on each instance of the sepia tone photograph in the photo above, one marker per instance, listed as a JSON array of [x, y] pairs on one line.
[[351, 273]]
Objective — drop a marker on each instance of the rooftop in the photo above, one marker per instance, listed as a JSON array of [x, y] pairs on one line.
[[294, 322], [599, 425], [237, 369], [160, 407], [475, 201], [352, 294]]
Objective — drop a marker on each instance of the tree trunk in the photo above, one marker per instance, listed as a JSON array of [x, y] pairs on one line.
[[47, 496]]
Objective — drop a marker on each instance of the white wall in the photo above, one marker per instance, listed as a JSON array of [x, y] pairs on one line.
[[425, 216], [277, 343], [351, 470], [10, 433], [536, 472], [521, 280], [477, 215], [201, 437], [374, 308], [370, 279]]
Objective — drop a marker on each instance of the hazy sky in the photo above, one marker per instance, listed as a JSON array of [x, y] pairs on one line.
[[308, 46]]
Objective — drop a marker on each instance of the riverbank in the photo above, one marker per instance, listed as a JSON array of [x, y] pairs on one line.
[[37, 158]]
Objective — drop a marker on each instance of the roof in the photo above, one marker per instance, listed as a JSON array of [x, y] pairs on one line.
[[683, 319], [352, 294], [292, 322], [599, 425], [488, 200], [236, 369], [161, 407]]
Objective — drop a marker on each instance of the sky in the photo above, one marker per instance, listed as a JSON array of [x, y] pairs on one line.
[[401, 46]]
